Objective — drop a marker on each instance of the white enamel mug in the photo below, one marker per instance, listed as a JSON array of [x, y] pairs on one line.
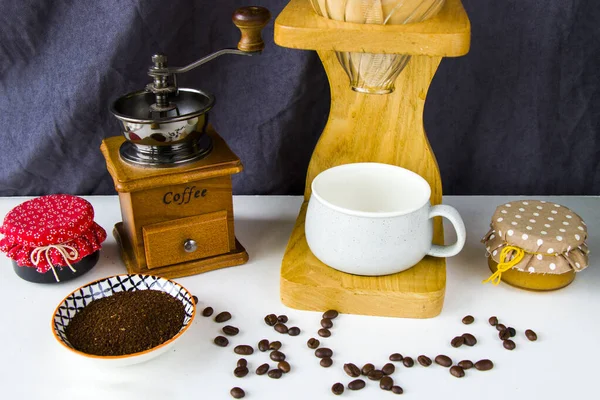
[[375, 219]]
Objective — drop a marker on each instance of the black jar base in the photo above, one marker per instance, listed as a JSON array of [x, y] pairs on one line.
[[64, 273]]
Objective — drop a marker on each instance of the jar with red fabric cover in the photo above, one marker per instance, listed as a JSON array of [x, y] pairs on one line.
[[52, 238]]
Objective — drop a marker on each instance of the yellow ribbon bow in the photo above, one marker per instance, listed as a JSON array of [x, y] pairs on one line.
[[504, 264]]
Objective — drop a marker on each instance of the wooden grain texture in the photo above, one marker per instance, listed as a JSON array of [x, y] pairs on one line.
[[448, 34], [250, 21]]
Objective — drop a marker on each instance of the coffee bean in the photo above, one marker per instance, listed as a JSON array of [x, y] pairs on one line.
[[386, 383], [242, 362], [375, 375], [294, 331], [243, 349], [468, 320], [221, 341], [284, 366], [281, 328], [282, 318], [531, 335], [466, 364], [493, 321], [237, 393], [223, 316], [271, 319], [397, 390], [240, 372], [276, 345], [424, 360], [509, 344], [457, 371], [500, 327], [323, 352], [396, 357], [263, 369], [277, 356], [230, 330], [484, 365], [352, 370], [503, 335], [356, 384], [408, 362], [263, 345], [337, 388], [195, 298], [324, 332], [331, 314], [388, 369], [457, 341], [275, 373], [207, 312], [443, 360], [512, 331], [470, 340], [326, 362], [367, 368], [326, 323], [313, 343]]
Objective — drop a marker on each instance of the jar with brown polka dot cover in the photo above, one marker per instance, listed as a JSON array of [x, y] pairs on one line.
[[536, 245]]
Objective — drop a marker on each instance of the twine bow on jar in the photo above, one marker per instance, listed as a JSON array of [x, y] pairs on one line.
[[506, 263], [69, 253]]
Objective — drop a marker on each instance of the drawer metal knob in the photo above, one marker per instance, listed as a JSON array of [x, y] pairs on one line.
[[190, 246]]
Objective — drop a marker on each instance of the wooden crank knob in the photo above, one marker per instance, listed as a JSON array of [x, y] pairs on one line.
[[250, 21]]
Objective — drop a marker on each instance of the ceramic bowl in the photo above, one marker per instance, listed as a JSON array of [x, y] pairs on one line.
[[84, 295]]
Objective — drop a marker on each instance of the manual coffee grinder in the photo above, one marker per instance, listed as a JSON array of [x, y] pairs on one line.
[[172, 171]]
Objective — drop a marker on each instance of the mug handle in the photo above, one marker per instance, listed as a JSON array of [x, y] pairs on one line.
[[453, 216]]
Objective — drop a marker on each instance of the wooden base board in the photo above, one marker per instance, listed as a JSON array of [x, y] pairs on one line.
[[308, 284], [236, 257]]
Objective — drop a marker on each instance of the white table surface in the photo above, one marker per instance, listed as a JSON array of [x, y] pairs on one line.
[[562, 364]]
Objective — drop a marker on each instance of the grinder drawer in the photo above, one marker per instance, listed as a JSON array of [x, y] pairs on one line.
[[186, 239]]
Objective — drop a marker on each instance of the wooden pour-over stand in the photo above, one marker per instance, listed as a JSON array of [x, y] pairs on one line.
[[371, 128]]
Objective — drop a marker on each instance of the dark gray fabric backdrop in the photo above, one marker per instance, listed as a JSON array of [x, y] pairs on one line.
[[519, 115]]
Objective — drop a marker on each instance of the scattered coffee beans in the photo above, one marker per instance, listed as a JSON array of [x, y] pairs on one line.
[[468, 320], [443, 360], [424, 360], [493, 321], [531, 335], [457, 371], [282, 318], [237, 393], [275, 373], [397, 390], [509, 344], [221, 341], [386, 383], [457, 341], [223, 316], [240, 372], [331, 314], [356, 384], [352, 370], [326, 323], [271, 319], [500, 327], [263, 345], [326, 362], [375, 375], [388, 369], [466, 364], [484, 365], [207, 312], [281, 328], [313, 343], [276, 345], [470, 340], [337, 388], [230, 330], [323, 352], [262, 369], [512, 331], [408, 362], [324, 332], [195, 298], [503, 335], [367, 368], [284, 366], [242, 362], [277, 356], [396, 357], [243, 349], [294, 331]]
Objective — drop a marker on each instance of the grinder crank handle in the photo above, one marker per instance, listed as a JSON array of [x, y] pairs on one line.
[[250, 21]]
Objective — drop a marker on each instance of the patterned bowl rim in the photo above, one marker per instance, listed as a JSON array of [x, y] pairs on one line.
[[124, 356]]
